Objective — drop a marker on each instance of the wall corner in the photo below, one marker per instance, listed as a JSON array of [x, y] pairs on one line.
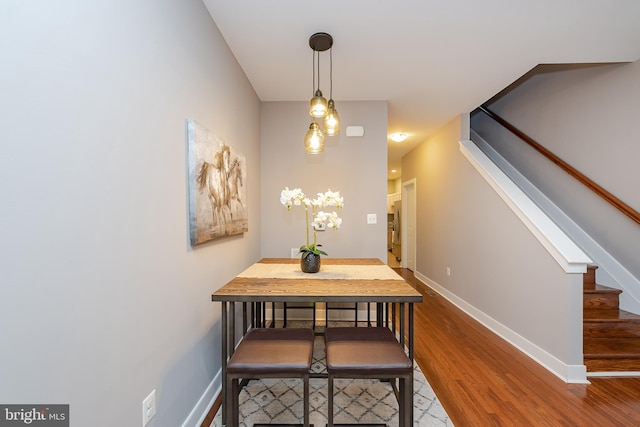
[[465, 126]]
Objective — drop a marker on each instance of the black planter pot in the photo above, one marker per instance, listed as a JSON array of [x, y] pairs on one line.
[[310, 262]]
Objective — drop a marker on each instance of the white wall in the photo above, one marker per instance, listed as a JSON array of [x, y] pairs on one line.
[[354, 166], [103, 297], [499, 272]]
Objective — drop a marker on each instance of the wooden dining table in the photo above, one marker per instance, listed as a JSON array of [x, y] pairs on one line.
[[340, 280]]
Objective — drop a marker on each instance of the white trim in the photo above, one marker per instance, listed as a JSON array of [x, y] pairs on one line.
[[574, 374], [199, 412], [413, 182], [566, 253]]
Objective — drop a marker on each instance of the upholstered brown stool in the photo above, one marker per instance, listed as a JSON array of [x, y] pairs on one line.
[[369, 353], [270, 353]]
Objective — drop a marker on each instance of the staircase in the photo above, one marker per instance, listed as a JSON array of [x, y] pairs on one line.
[[611, 336]]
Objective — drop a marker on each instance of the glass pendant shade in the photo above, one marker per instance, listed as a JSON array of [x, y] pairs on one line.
[[314, 139], [332, 120], [318, 105]]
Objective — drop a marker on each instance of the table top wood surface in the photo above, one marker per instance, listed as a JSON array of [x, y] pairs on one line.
[[313, 289]]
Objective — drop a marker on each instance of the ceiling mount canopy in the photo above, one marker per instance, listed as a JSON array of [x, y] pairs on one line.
[[319, 108], [320, 42]]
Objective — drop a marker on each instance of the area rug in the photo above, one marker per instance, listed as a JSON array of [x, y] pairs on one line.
[[356, 401]]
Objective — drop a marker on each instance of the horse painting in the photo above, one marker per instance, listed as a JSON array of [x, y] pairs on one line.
[[219, 182]]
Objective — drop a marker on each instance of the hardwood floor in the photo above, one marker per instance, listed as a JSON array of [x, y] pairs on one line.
[[482, 380]]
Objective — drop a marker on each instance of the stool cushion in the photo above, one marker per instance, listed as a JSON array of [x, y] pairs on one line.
[[273, 351], [370, 351]]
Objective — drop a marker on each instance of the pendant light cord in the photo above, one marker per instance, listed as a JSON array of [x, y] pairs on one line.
[[318, 70], [313, 73], [330, 73], [315, 52]]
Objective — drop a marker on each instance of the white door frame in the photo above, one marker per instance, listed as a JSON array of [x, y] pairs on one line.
[[406, 203]]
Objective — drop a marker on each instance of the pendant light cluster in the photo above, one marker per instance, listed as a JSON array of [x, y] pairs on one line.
[[319, 108]]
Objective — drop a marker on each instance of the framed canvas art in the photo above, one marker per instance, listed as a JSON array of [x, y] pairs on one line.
[[217, 186]]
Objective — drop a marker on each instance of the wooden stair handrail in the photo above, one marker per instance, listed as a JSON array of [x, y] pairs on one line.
[[610, 198]]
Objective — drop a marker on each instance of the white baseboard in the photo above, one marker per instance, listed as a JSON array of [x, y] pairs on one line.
[[200, 411], [574, 374]]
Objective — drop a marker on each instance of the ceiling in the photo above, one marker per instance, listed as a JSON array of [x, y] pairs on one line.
[[430, 60]]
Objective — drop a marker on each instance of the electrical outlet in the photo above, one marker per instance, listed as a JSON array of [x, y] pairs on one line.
[[372, 219], [148, 408], [448, 271], [294, 252]]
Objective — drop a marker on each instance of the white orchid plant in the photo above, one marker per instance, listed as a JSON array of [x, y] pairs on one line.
[[321, 219]]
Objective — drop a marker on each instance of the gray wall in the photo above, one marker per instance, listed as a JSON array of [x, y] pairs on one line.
[[103, 297], [500, 273], [354, 166], [587, 116]]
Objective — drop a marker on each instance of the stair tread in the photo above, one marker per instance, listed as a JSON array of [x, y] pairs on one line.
[[601, 289], [608, 314]]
